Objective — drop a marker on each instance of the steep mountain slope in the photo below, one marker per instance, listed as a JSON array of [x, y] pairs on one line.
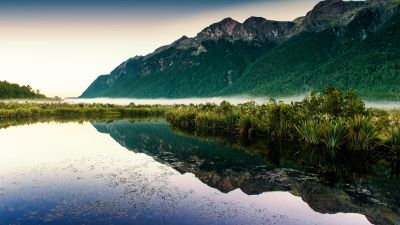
[[342, 43], [180, 72], [363, 55]]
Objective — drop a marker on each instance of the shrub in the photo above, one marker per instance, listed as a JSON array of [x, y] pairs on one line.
[[362, 134]]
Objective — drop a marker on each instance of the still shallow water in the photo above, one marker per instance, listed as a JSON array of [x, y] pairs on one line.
[[143, 173]]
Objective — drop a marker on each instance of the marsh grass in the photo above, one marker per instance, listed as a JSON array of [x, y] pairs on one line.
[[29, 110], [394, 140], [362, 134], [310, 132], [335, 134], [335, 125]]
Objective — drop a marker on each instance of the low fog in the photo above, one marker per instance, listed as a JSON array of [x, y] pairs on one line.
[[218, 100]]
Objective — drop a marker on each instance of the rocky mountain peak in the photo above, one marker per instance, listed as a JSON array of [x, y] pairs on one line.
[[253, 28], [180, 41], [327, 13], [227, 27], [254, 21]]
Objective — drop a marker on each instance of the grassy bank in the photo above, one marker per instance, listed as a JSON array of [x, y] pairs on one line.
[[335, 123], [28, 110]]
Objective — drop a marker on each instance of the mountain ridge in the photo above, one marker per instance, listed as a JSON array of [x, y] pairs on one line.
[[186, 67]]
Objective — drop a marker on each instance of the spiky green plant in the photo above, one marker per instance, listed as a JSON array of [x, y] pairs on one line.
[[246, 124], [207, 120], [230, 121], [362, 134], [394, 140], [335, 134], [310, 132]]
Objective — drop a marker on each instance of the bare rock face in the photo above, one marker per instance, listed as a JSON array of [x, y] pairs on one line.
[[269, 30], [330, 13], [254, 28], [227, 28]]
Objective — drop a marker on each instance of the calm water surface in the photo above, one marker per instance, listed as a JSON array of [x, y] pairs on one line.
[[144, 173]]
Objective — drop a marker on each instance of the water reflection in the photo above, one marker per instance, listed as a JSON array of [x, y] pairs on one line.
[[327, 190], [71, 174]]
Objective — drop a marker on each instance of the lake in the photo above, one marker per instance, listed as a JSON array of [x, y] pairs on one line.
[[143, 172]]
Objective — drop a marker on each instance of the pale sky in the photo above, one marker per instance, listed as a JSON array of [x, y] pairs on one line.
[[61, 49]]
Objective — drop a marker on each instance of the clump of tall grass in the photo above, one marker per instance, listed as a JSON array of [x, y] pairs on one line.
[[247, 124], [278, 124], [394, 140], [26, 110], [362, 134], [335, 134], [310, 131], [182, 117], [206, 120]]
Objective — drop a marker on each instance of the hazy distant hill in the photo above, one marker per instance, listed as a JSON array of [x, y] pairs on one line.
[[342, 43], [15, 91]]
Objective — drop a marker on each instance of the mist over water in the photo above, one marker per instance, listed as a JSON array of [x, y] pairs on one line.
[[382, 104], [186, 101], [217, 100]]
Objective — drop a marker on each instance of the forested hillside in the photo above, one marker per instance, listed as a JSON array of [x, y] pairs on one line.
[[15, 91], [348, 44]]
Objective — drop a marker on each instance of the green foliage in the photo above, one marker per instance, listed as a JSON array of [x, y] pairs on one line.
[[334, 103], [335, 134], [334, 124], [176, 73], [26, 110], [341, 57], [247, 124], [362, 134], [394, 140], [15, 91], [319, 60], [310, 132]]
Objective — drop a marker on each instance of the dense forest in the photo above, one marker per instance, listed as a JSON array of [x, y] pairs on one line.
[[16, 91], [319, 60], [178, 73], [311, 53]]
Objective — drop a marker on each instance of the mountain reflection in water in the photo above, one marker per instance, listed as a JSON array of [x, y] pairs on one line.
[[228, 169], [71, 174]]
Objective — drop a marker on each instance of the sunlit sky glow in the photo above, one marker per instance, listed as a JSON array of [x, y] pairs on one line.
[[60, 48]]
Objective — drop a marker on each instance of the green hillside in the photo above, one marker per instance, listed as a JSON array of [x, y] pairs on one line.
[[187, 75], [338, 43], [15, 91], [314, 61]]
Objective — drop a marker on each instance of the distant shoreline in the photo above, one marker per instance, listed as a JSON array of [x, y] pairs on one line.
[[378, 104]]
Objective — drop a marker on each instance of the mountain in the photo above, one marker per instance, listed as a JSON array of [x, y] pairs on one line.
[[15, 91], [342, 43]]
